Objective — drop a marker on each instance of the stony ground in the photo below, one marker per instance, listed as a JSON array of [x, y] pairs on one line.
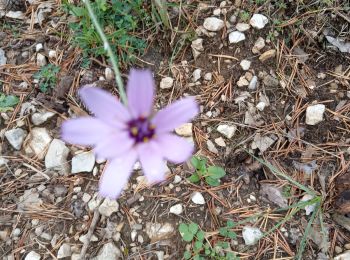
[[273, 84]]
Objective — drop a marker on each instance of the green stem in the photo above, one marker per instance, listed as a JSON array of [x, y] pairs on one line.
[[110, 53]]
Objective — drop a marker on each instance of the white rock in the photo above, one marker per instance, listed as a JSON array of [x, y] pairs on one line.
[[258, 45], [242, 27], [314, 114], [30, 199], [108, 207], [39, 47], [41, 60], [261, 106], [213, 24], [309, 208], [3, 58], [16, 137], [208, 76], [197, 198], [220, 142], [263, 142], [3, 161], [343, 256], [177, 179], [217, 12], [258, 21], [41, 117], [184, 130], [133, 235], [235, 37], [108, 251], [166, 82], [86, 197], [109, 74], [56, 157], [159, 231], [253, 83], [52, 54], [94, 202], [83, 162], [227, 130], [197, 47], [32, 256], [242, 82], [176, 209], [251, 235], [64, 251], [211, 147], [196, 75], [245, 64]]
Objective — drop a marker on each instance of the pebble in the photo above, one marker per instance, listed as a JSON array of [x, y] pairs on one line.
[[16, 232], [133, 235], [41, 117], [235, 37], [184, 130], [94, 202], [108, 207], [213, 24], [253, 83], [261, 106], [208, 76], [16, 137], [258, 45], [108, 251], [267, 55], [32, 255], [86, 197], [60, 190], [52, 54], [83, 162], [166, 83], [314, 114], [39, 47], [159, 231], [197, 198], [227, 130], [242, 27], [140, 239], [176, 209], [343, 256], [338, 249], [258, 21], [217, 12], [251, 235], [109, 74], [3, 58], [56, 156], [37, 142], [242, 82], [233, 19], [177, 179], [41, 60], [245, 64], [220, 142], [211, 147], [196, 75], [29, 199]]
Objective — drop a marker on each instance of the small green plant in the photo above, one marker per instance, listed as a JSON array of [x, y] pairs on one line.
[[211, 174], [244, 15], [47, 77], [7, 102], [227, 232]]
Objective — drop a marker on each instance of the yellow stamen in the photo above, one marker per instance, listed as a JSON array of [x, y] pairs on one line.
[[134, 131], [145, 139]]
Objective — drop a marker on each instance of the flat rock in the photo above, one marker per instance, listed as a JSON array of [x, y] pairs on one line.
[[242, 27], [235, 37], [213, 24], [263, 142], [242, 82], [197, 198], [83, 162], [159, 231], [197, 47], [3, 161], [108, 251], [40, 60], [343, 256], [108, 207], [109, 74], [166, 83], [251, 235], [211, 147], [245, 64], [227, 130], [16, 137], [270, 81], [267, 55], [184, 130], [32, 255], [314, 114], [37, 142], [253, 83], [56, 156], [177, 209], [196, 75], [258, 45], [258, 21], [64, 251], [41, 117], [273, 194], [220, 141]]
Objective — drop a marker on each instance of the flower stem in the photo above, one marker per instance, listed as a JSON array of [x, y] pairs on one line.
[[110, 53]]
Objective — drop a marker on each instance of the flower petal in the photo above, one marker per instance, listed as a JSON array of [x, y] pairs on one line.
[[152, 162], [175, 114], [104, 106], [116, 174], [140, 92], [114, 145], [178, 149], [84, 131]]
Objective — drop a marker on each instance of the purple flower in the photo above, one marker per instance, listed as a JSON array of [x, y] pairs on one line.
[[124, 135]]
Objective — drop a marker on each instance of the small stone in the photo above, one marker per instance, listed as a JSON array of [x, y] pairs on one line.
[[343, 256], [159, 231], [184, 130], [235, 37], [41, 117], [37, 142], [308, 208], [197, 198], [213, 24], [196, 75], [314, 114], [176, 209], [208, 76], [16, 232], [140, 239], [3, 161], [86, 197], [347, 246], [109, 74], [251, 235], [60, 190], [39, 47], [56, 157], [166, 83], [3, 58], [16, 137], [197, 47], [108, 251], [30, 199], [258, 21], [242, 82], [94, 202], [242, 27], [338, 249], [227, 130], [133, 235], [253, 83], [177, 179], [211, 147], [83, 162], [41, 60], [267, 55], [258, 45], [261, 106], [263, 142], [233, 19], [32, 256], [220, 142], [217, 12], [321, 75], [270, 81], [108, 207], [245, 64], [52, 54]]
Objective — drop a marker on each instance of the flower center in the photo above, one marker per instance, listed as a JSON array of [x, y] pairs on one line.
[[141, 130]]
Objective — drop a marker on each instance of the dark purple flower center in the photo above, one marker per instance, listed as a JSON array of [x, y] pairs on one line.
[[141, 129]]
